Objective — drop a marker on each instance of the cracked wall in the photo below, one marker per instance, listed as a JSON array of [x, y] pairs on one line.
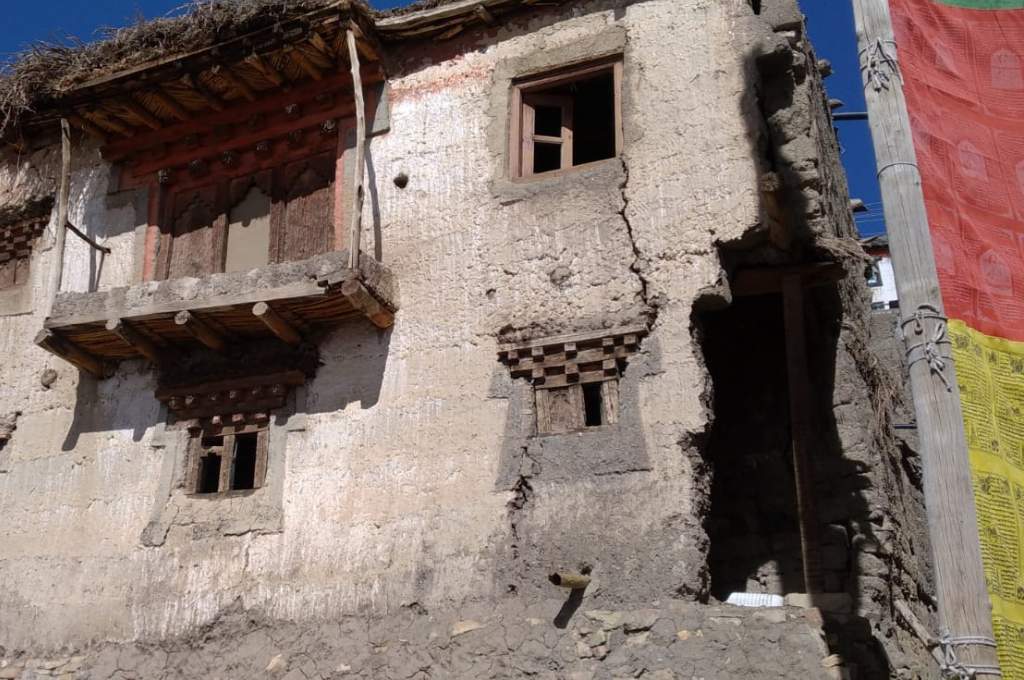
[[413, 478]]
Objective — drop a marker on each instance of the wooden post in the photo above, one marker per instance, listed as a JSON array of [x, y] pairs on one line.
[[63, 198], [355, 229], [962, 598], [800, 424]]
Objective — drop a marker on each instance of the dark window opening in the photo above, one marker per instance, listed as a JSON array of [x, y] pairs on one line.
[[209, 474], [592, 406], [244, 472], [572, 121], [546, 157]]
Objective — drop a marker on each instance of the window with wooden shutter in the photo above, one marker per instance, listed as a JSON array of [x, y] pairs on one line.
[[566, 119], [281, 214]]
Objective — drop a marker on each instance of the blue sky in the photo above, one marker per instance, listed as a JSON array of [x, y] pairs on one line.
[[830, 23]]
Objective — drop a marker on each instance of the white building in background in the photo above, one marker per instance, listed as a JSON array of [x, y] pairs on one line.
[[882, 280]]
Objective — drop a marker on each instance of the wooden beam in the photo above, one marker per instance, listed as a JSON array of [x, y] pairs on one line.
[[363, 300], [201, 331], [171, 104], [316, 42], [303, 62], [70, 352], [86, 126], [140, 112], [267, 70], [800, 405], [355, 223], [209, 98], [762, 280], [63, 201], [234, 80], [278, 326], [105, 122], [140, 343]]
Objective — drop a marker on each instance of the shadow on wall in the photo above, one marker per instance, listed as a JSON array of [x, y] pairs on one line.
[[753, 523]]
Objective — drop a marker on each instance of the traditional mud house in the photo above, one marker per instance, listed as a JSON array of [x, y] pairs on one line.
[[607, 320]]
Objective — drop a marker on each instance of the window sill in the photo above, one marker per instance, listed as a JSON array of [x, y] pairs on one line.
[[603, 175]]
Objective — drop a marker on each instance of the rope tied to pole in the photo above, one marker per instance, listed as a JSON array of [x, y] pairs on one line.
[[929, 349], [952, 668], [879, 65]]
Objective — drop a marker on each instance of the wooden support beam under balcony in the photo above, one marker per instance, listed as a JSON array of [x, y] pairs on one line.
[[136, 340], [201, 331], [70, 352], [278, 326]]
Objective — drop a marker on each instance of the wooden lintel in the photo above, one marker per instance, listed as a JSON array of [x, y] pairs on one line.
[[235, 81], [267, 70], [764, 280], [209, 98], [140, 343], [171, 104], [70, 352], [363, 300], [140, 112], [278, 326], [201, 331], [286, 378], [303, 62]]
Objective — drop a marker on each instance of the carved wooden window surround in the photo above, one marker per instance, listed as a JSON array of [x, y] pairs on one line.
[[226, 458], [566, 118], [575, 377]]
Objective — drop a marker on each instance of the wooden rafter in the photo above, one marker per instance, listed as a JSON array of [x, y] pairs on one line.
[[236, 81], [267, 70], [202, 92], [170, 103], [140, 112], [278, 326], [317, 42], [201, 331], [70, 352], [140, 343], [303, 62], [104, 121]]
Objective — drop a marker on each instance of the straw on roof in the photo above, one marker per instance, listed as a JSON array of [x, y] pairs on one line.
[[46, 70]]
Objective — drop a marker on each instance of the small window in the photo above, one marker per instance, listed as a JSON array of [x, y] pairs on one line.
[[567, 119], [577, 407], [228, 461], [874, 276]]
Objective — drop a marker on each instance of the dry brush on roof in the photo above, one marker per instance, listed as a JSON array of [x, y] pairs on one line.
[[47, 70]]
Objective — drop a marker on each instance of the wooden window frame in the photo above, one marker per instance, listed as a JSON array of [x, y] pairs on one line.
[[549, 424], [227, 456], [526, 94], [225, 190]]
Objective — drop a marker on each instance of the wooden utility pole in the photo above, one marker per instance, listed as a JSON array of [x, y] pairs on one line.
[[63, 200], [964, 610]]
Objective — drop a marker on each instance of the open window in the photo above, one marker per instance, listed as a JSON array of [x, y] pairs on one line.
[[231, 459], [577, 407], [566, 119]]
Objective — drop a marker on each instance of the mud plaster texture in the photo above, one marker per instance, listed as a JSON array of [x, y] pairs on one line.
[[406, 476]]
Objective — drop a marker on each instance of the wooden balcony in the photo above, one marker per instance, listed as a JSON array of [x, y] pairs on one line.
[[165, 321]]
